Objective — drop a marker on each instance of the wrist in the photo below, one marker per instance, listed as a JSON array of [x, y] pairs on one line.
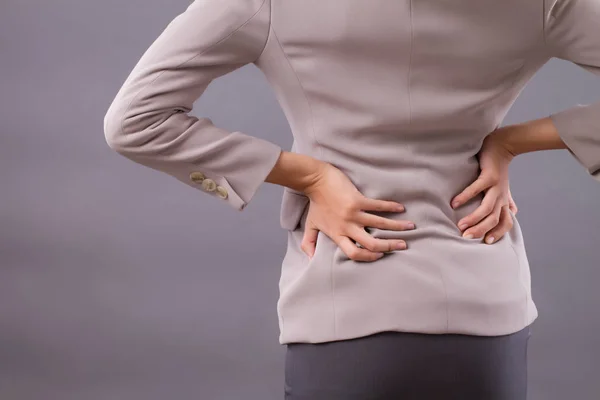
[[296, 171], [501, 143], [534, 135], [510, 138]]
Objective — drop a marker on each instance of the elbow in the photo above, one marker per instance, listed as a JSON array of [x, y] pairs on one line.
[[120, 133], [133, 130], [114, 134]]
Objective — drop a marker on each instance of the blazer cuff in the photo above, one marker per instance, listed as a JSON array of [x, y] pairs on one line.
[[579, 129], [238, 187]]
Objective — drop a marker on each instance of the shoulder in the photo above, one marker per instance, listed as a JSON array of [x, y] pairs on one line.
[[572, 29], [235, 11], [566, 8], [235, 26], [222, 18]]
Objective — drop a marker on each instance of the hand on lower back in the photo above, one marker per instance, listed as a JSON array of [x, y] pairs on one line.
[[492, 218], [339, 210]]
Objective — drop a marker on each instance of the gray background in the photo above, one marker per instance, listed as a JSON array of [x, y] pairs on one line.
[[96, 304]]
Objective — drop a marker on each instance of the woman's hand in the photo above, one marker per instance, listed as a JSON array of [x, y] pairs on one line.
[[337, 209], [492, 218]]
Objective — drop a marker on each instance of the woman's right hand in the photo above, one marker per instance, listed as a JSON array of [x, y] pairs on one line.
[[338, 209]]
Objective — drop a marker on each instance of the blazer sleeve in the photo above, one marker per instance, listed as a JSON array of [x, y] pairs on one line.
[[572, 32], [148, 120]]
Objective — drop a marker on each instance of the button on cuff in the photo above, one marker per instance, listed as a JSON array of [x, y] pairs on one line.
[[221, 192], [217, 185], [197, 177], [209, 185]]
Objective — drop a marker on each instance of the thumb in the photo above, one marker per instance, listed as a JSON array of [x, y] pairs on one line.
[[511, 203], [309, 241]]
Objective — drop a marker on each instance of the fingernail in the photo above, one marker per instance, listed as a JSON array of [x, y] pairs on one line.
[[462, 226], [379, 255], [400, 208], [455, 203], [469, 236], [489, 240], [411, 226], [400, 245]]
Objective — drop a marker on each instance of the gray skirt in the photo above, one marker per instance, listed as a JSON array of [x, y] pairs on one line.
[[409, 366]]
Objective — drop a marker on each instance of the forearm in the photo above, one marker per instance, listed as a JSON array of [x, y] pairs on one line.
[[534, 135], [294, 170]]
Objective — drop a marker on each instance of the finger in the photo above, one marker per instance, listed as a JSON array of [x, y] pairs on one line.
[[504, 225], [373, 244], [487, 224], [376, 221], [478, 186], [309, 240], [485, 208], [355, 253], [366, 203]]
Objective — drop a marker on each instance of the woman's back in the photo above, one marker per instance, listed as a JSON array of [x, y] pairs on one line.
[[399, 95]]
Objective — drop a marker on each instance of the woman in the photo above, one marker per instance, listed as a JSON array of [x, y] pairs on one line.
[[395, 108]]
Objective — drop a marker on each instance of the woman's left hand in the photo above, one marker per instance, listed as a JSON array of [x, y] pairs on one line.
[[492, 218]]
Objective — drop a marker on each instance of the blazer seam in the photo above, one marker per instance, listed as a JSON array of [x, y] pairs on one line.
[[410, 56], [332, 284], [312, 119], [201, 52], [518, 75], [268, 29], [441, 276], [544, 22], [320, 149], [519, 263], [547, 17], [522, 71]]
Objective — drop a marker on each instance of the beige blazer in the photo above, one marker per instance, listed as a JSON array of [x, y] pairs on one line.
[[399, 95]]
